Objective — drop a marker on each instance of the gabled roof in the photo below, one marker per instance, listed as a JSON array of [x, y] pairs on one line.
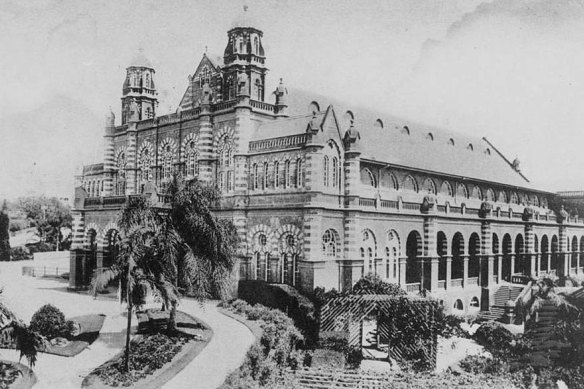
[[392, 140]]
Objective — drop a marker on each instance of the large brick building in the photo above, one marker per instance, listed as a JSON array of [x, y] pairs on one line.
[[321, 195]]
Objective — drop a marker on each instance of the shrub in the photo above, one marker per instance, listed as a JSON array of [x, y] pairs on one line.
[[276, 350], [50, 322], [19, 254], [499, 341]]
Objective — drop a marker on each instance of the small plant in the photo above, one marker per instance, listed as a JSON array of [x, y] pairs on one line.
[[50, 322]]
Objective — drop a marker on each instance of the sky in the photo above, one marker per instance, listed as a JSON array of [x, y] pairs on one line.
[[509, 70]]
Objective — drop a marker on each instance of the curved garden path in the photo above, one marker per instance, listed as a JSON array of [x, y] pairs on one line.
[[24, 295], [223, 354]]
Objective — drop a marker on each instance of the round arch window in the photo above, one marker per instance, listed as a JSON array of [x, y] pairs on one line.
[[458, 305], [263, 240], [474, 302]]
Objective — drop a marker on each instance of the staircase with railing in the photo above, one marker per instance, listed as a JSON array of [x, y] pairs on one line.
[[500, 299]]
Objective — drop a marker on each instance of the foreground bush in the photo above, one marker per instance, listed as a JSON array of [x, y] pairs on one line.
[[50, 322], [276, 350]]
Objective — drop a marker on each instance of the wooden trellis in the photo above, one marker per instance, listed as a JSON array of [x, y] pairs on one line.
[[347, 313]]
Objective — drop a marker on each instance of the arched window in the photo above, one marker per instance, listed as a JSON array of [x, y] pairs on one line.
[[144, 165], [446, 189], [258, 89], [329, 243], [502, 198], [368, 250], [326, 170], [265, 176], [120, 182], [490, 195], [256, 45], [461, 191], [299, 173], [192, 163], [148, 80], [429, 186], [367, 178], [287, 174], [167, 164], [204, 76], [276, 174], [410, 184], [477, 193], [229, 181], [230, 88], [514, 198], [221, 181], [254, 176], [335, 171]]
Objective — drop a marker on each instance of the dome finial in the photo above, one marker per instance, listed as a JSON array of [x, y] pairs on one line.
[[245, 7]]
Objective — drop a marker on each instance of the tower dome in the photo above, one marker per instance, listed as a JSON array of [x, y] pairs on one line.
[[245, 20], [140, 61]]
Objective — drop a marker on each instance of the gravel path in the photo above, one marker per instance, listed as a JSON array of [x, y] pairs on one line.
[[223, 354], [24, 295]]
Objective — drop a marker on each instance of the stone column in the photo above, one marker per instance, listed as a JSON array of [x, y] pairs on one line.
[[434, 264], [499, 268], [465, 258], [402, 271], [430, 254], [490, 270], [537, 262], [529, 256], [563, 257], [512, 259], [448, 271]]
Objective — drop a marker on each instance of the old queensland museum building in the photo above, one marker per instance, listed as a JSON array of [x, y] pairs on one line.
[[321, 194]]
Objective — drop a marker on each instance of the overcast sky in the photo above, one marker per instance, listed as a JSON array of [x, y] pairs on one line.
[[509, 70]]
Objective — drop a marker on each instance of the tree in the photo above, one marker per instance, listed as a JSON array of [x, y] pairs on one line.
[[138, 266], [373, 284], [48, 214], [200, 252], [4, 234]]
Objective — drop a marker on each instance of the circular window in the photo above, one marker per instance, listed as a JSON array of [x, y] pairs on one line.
[[263, 240]]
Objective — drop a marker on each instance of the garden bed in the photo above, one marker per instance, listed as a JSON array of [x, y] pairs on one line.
[[89, 328], [15, 376], [155, 357]]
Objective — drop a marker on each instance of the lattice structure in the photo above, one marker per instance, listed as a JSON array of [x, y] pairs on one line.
[[408, 324]]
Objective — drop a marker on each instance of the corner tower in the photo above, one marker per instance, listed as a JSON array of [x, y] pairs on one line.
[[244, 60], [139, 100]]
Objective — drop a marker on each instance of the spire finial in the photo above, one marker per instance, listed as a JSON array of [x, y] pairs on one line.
[[245, 7], [206, 48]]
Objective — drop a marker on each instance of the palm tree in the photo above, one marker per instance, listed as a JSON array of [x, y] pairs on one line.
[[138, 266], [199, 255]]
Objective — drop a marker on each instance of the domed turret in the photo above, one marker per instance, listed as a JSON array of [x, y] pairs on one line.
[[140, 61], [139, 100], [244, 60], [245, 20]]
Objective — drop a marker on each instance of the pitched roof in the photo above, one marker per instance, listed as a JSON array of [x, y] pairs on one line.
[[389, 139], [285, 127]]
